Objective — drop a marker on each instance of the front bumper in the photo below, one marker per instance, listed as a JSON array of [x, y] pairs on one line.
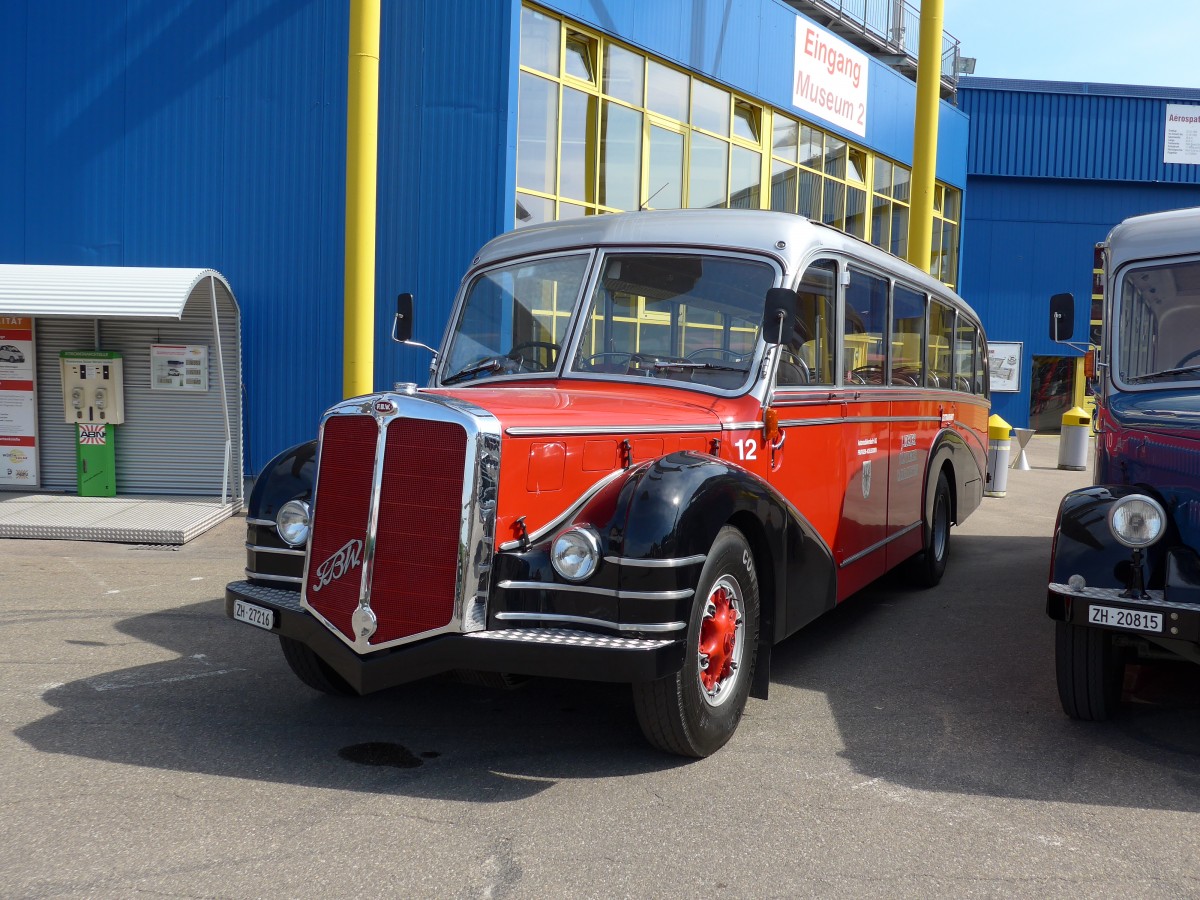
[[550, 652], [1180, 621]]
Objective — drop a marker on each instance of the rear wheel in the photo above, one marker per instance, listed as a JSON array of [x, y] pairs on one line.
[[695, 711], [927, 567], [313, 670], [1090, 671]]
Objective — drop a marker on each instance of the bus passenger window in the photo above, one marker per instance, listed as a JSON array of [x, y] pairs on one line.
[[964, 356], [866, 326], [941, 327], [807, 358], [908, 337], [981, 380]]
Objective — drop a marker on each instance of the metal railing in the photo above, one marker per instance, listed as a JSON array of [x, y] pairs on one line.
[[895, 24]]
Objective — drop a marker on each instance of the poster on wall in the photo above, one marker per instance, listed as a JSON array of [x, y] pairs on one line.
[[1004, 366], [178, 367], [1181, 144], [18, 405], [829, 78]]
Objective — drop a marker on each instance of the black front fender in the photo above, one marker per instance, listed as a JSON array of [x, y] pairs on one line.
[[681, 501], [289, 476]]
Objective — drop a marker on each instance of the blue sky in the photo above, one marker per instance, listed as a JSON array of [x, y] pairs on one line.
[[1152, 42]]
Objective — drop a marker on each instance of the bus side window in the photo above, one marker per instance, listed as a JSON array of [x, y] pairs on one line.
[[981, 378], [807, 358], [941, 328], [908, 335], [866, 328], [964, 356]]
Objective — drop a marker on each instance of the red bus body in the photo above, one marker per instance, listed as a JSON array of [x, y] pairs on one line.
[[648, 453]]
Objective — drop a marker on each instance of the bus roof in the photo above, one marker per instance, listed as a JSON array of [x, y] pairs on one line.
[[1175, 232], [787, 237]]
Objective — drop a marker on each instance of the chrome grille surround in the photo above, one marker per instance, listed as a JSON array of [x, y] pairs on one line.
[[481, 479]]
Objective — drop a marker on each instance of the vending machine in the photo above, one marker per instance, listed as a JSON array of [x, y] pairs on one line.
[[94, 399]]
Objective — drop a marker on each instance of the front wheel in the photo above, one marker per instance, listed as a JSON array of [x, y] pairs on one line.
[[1090, 671], [695, 711], [312, 670]]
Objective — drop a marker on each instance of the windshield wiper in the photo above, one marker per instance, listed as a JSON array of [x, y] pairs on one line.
[[491, 364], [1182, 370], [713, 367]]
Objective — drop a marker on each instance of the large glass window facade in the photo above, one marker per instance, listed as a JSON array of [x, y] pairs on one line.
[[605, 128]]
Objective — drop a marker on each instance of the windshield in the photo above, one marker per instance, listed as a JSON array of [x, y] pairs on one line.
[[1158, 324], [514, 319], [679, 317]]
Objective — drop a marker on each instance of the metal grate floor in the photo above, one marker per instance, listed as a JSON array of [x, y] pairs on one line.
[[127, 520]]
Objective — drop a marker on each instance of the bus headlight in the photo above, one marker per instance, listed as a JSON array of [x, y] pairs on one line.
[[576, 553], [294, 522], [1137, 521]]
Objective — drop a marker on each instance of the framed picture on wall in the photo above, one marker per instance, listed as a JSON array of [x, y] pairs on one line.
[[1004, 366]]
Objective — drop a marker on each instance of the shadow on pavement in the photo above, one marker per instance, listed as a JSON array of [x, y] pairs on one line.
[[950, 689]]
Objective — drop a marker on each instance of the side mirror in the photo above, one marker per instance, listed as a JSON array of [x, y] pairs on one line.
[[779, 317], [1062, 317], [402, 328]]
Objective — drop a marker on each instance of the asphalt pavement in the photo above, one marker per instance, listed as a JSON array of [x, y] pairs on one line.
[[912, 746]]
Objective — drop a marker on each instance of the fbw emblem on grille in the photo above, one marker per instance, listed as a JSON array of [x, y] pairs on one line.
[[341, 562]]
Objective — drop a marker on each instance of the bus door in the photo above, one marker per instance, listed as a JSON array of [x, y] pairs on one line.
[[863, 529], [913, 428]]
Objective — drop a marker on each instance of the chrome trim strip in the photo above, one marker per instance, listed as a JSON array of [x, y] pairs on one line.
[[1116, 595], [285, 551], [845, 420], [268, 522], [887, 540], [654, 628], [615, 430], [741, 426], [657, 563], [289, 579], [583, 589], [600, 484]]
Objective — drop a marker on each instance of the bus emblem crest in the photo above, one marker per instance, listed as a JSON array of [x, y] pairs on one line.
[[866, 478]]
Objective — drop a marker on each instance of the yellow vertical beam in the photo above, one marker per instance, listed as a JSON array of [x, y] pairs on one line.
[[924, 171], [362, 142]]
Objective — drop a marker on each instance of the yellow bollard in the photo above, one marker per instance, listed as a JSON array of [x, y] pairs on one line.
[[999, 444]]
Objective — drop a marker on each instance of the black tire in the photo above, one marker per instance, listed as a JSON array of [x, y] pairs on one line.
[[313, 670], [677, 713], [1090, 671], [925, 570]]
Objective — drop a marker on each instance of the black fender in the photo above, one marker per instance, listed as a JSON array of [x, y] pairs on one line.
[[670, 509], [680, 503], [966, 481], [1084, 545], [290, 475]]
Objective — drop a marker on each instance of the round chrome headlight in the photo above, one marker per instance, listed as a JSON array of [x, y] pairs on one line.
[[1137, 520], [294, 522], [576, 553]]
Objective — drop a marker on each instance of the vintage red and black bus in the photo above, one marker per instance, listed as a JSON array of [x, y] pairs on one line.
[[653, 446], [1125, 575]]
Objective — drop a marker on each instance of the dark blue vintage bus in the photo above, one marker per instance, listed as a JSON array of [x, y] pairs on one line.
[[1125, 573]]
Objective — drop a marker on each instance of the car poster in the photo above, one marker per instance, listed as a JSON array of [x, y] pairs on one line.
[[178, 367], [18, 405], [1004, 366]]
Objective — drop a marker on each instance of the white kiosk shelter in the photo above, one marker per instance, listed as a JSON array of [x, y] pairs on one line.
[[179, 447]]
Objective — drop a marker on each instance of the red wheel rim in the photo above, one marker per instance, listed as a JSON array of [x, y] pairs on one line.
[[719, 654]]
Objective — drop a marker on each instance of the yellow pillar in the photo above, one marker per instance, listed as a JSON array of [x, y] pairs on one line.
[[924, 170], [362, 130]]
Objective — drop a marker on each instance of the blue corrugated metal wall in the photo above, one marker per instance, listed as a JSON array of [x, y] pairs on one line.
[[208, 133], [1052, 168]]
